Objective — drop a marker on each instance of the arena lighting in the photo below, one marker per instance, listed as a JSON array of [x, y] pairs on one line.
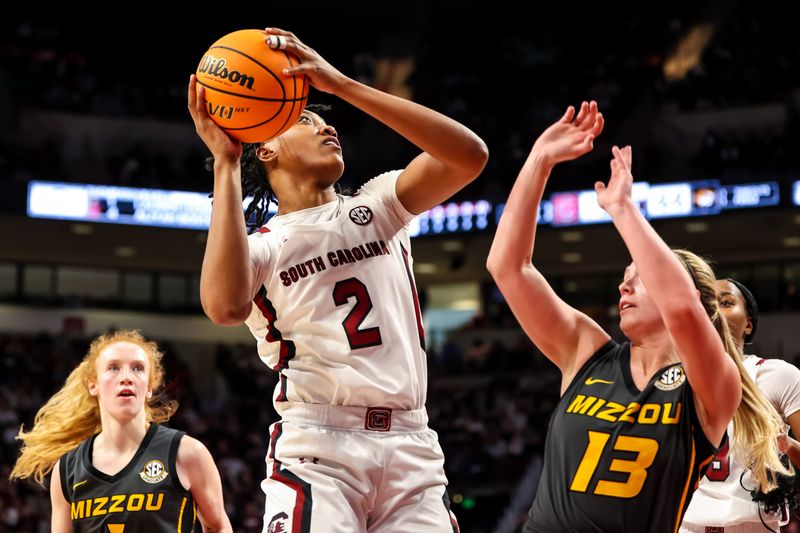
[[796, 193], [121, 205], [659, 200], [192, 210]]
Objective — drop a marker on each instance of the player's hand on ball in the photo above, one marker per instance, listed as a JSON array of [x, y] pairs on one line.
[[322, 74], [222, 147]]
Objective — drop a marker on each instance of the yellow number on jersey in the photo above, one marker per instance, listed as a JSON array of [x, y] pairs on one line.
[[636, 469]]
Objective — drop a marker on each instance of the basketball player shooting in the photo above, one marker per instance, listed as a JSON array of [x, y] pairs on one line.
[[327, 289]]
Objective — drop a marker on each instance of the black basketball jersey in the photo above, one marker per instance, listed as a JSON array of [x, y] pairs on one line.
[[617, 458], [146, 495]]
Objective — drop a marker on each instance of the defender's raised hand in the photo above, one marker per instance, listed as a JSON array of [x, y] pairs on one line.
[[571, 136]]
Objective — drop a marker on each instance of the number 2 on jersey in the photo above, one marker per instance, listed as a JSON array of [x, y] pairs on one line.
[[358, 338], [636, 469]]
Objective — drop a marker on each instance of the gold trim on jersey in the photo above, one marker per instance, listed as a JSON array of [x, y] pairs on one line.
[[180, 514], [685, 488]]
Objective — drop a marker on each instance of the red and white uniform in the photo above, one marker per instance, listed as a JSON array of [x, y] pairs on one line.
[[336, 314], [720, 500], [336, 310]]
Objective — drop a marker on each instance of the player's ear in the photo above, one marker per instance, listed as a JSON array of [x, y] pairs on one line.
[[266, 153]]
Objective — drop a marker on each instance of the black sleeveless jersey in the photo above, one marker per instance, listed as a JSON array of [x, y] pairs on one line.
[[618, 459], [146, 495]]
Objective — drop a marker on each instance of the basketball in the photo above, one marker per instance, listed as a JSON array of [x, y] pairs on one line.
[[247, 94]]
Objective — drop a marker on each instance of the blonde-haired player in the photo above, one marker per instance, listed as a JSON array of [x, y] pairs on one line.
[[113, 466]]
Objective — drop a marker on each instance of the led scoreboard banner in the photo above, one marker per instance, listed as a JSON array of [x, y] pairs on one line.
[[452, 218], [796, 193], [121, 205], [192, 210], [659, 200]]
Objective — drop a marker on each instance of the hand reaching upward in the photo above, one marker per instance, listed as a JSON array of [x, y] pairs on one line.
[[571, 136], [620, 183]]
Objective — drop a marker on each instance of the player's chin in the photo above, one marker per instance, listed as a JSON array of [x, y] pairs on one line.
[[334, 164]]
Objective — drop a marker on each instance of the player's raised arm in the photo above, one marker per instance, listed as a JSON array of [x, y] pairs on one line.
[[452, 155], [226, 275], [566, 336]]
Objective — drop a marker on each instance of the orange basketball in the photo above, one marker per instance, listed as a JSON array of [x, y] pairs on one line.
[[247, 93]]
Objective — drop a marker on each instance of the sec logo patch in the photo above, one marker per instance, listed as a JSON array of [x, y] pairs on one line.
[[671, 379], [361, 215], [153, 471]]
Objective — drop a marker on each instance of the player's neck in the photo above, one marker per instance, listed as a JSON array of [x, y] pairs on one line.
[[652, 353], [120, 435], [305, 197], [740, 347]]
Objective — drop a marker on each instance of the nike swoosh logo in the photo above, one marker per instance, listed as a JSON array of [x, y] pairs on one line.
[[592, 381], [78, 484]]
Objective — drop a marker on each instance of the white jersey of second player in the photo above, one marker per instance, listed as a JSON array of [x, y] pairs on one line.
[[335, 307], [720, 499]]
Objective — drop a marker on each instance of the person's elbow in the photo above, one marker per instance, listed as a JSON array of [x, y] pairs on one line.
[[476, 159], [501, 264], [226, 314], [494, 264]]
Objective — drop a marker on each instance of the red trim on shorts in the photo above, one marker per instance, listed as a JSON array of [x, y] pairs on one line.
[[301, 514]]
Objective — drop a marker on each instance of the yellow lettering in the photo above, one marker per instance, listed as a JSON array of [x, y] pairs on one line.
[[116, 502], [116, 528], [626, 416], [150, 506], [580, 404], [135, 502], [76, 510], [597, 405], [649, 413], [666, 418], [100, 506], [612, 408]]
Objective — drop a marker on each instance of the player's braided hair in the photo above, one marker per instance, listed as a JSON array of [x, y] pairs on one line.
[[783, 496], [255, 181]]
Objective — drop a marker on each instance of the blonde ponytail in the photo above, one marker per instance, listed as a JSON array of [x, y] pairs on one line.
[[756, 423]]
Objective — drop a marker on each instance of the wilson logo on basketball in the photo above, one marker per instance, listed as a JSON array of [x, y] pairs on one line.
[[361, 215], [217, 67]]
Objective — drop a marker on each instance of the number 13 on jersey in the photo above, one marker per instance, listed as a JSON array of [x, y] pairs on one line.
[[636, 469]]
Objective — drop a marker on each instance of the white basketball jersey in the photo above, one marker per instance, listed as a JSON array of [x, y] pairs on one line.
[[335, 310], [720, 499]]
